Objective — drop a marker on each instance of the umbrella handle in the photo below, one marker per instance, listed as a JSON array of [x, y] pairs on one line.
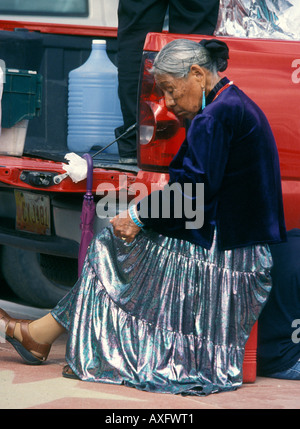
[[89, 183]]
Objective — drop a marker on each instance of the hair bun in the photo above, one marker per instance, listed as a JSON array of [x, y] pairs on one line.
[[218, 51]]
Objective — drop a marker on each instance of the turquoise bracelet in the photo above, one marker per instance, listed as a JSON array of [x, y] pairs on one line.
[[134, 216]]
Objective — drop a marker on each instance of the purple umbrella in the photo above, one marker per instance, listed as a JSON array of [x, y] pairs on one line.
[[87, 215], [88, 206]]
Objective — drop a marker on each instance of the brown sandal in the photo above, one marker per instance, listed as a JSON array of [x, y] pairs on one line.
[[67, 372], [27, 345]]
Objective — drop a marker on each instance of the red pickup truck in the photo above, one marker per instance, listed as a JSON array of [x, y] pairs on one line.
[[41, 266]]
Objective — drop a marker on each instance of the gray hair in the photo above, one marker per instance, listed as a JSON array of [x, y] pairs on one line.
[[177, 57]]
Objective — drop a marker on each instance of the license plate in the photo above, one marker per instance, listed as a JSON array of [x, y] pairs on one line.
[[32, 212]]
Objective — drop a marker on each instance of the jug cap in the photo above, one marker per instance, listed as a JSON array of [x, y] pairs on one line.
[[99, 42]]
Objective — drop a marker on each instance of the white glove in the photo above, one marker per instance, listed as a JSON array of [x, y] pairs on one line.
[[77, 167]]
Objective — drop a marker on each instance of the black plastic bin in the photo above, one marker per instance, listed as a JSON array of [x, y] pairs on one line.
[[22, 96]]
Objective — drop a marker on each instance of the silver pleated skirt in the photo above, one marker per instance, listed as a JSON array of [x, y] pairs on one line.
[[162, 314]]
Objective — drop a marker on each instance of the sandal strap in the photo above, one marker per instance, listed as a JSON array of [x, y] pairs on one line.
[[30, 344], [10, 325]]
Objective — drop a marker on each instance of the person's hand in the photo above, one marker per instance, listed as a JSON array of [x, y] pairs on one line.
[[124, 227]]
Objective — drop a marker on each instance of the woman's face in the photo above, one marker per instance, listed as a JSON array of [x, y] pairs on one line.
[[182, 95]]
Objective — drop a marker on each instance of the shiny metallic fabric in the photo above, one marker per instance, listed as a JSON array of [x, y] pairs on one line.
[[267, 19], [162, 314]]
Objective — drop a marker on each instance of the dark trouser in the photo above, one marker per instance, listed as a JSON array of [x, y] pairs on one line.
[[136, 19]]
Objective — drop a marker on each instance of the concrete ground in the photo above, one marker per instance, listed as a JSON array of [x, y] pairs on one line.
[[43, 387]]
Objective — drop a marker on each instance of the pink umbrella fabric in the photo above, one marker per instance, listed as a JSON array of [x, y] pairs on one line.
[[87, 215]]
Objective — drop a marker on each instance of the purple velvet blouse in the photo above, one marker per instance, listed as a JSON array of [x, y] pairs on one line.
[[230, 148]]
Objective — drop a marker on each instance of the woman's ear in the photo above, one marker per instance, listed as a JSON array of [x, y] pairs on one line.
[[198, 72]]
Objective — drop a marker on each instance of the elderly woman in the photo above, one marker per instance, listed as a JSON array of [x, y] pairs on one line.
[[159, 306]]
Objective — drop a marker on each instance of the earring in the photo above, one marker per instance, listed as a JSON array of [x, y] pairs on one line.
[[203, 99]]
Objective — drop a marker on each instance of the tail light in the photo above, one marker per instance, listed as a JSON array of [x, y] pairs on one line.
[[160, 132]]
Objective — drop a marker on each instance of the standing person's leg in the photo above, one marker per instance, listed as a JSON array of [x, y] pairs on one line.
[[193, 16], [136, 19], [292, 373]]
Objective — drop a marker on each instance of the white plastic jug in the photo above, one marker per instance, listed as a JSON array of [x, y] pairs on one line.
[[93, 103]]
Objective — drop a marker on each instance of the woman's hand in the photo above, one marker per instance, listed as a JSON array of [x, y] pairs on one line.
[[124, 227]]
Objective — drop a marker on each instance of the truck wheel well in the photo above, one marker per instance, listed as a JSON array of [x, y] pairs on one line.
[[38, 279]]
